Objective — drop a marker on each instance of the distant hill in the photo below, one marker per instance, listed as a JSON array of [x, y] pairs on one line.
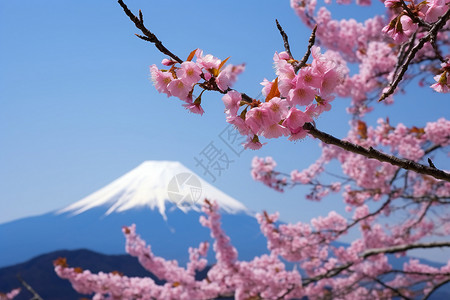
[[40, 274]]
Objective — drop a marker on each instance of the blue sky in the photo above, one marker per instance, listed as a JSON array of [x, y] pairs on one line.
[[77, 109]]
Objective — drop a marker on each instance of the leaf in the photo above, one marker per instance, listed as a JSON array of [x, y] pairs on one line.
[[223, 62], [274, 92], [191, 55], [362, 129]]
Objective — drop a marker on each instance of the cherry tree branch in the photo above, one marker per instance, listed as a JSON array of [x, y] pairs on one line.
[[396, 291], [435, 288], [312, 40], [375, 154], [395, 249], [402, 248], [29, 288], [285, 39], [297, 65], [148, 36]]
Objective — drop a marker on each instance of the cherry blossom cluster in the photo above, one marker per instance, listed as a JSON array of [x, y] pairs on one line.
[[309, 245], [263, 277], [11, 295], [263, 170], [404, 24], [312, 87], [366, 44], [207, 72]]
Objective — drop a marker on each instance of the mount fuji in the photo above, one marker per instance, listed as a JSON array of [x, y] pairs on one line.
[[162, 198]]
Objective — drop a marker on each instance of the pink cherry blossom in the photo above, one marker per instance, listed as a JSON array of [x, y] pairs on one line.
[[295, 120], [436, 8], [258, 119], [253, 143], [179, 89], [400, 28], [194, 107], [301, 95], [161, 80], [227, 77], [189, 73], [208, 61], [232, 101]]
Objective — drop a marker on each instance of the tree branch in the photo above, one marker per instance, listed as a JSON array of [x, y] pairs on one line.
[[396, 291], [402, 248], [29, 288], [375, 154], [285, 39], [148, 36], [435, 288], [312, 40]]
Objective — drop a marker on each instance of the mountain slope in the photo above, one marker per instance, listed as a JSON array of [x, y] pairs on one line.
[[40, 274], [152, 184], [26, 238]]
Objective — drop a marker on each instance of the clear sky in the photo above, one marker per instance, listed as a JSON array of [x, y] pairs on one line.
[[77, 109]]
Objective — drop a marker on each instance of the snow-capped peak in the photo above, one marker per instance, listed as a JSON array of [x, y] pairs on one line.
[[152, 184]]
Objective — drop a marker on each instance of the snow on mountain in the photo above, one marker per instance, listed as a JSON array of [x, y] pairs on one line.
[[153, 184]]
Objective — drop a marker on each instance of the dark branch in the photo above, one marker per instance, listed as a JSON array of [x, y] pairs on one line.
[[29, 288], [435, 288], [430, 162], [328, 274], [312, 40], [285, 39], [402, 248], [396, 291], [150, 37], [375, 154]]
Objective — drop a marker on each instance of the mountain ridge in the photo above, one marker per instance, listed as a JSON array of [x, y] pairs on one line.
[[153, 184]]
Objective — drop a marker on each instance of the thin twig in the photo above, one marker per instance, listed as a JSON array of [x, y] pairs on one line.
[[328, 274], [402, 53], [396, 291], [312, 40], [285, 39], [402, 248], [435, 288], [430, 162], [432, 148], [29, 288], [150, 37], [375, 154]]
